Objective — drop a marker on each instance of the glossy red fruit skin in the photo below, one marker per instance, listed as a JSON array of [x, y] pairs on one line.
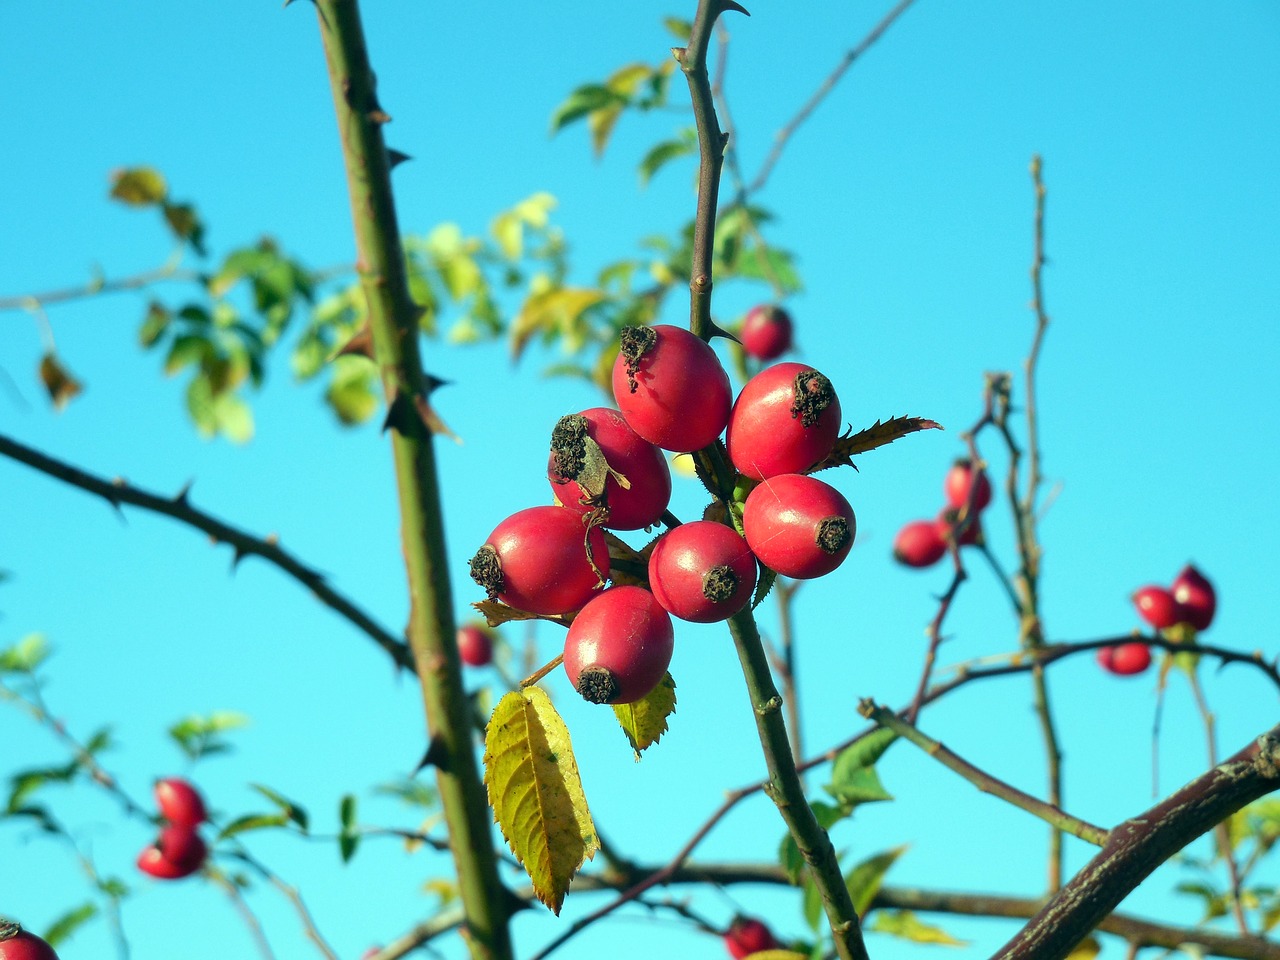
[[766, 438], [19, 944], [1126, 660], [178, 852], [1196, 597], [766, 332], [640, 461], [682, 395], [947, 522], [919, 544], [179, 802], [958, 481], [626, 632], [1157, 606], [474, 646], [544, 565], [746, 936], [785, 517], [700, 558]]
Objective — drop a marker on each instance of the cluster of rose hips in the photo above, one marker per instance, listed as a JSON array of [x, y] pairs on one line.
[[19, 944], [1188, 602], [178, 851], [922, 543], [607, 471]]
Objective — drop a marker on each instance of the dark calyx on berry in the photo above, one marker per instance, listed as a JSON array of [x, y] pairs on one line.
[[833, 534], [569, 446], [635, 343], [597, 685], [719, 583], [486, 570], [813, 394]]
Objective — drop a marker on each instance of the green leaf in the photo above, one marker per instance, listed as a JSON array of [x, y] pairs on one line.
[[789, 855], [864, 880], [154, 324], [253, 821], [582, 101], [185, 224], [25, 655], [682, 30], [198, 735], [349, 837], [233, 418], [413, 792], [186, 350], [139, 186], [293, 811], [645, 721], [663, 153], [351, 393], [771, 265], [905, 924], [200, 405], [557, 310], [536, 793], [811, 904], [68, 923]]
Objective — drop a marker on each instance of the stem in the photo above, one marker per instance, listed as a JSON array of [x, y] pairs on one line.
[[393, 320], [785, 790], [1139, 845], [984, 781]]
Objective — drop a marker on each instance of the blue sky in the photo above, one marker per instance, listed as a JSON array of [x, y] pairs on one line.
[[907, 201]]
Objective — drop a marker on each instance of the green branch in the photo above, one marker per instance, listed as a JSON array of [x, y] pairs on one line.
[[393, 321]]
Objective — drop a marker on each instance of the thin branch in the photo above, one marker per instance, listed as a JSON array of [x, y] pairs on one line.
[[784, 135], [138, 281], [1050, 814], [246, 914], [178, 507]]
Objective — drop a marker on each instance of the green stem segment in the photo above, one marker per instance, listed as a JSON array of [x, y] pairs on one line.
[[393, 321], [785, 789]]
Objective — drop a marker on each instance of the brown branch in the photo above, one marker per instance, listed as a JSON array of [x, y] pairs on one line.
[[178, 507], [1141, 844], [784, 135]]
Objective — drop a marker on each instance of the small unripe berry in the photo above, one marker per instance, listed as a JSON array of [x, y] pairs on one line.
[[475, 647], [919, 544], [766, 332], [1157, 606], [1125, 660]]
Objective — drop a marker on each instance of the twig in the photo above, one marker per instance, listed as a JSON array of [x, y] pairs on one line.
[[784, 135], [178, 507], [1049, 813], [137, 281], [242, 908]]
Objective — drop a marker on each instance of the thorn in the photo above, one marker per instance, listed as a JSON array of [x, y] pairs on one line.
[[736, 7], [719, 331], [239, 554], [360, 344], [395, 157], [272, 539], [431, 420], [433, 383], [397, 409], [378, 116], [183, 497], [437, 755]]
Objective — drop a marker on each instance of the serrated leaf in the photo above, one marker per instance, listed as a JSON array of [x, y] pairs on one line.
[[865, 879], [58, 381], [645, 721], [536, 792], [877, 435], [496, 613], [663, 153], [253, 821], [293, 811], [582, 101], [764, 583], [69, 922], [139, 186], [25, 655], [905, 924], [853, 780]]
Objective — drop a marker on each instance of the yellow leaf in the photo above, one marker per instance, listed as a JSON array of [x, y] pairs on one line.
[[776, 955], [645, 720], [536, 793], [139, 186], [1086, 949], [58, 381], [556, 308]]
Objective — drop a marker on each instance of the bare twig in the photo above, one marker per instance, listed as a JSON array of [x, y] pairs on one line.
[[178, 507], [246, 914]]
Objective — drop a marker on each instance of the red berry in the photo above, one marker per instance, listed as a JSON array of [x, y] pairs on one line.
[[1125, 660], [671, 388], [19, 944], [619, 646], [949, 519], [766, 332], [584, 474], [798, 526], [178, 852], [785, 420], [702, 571], [536, 560], [919, 544], [1196, 596], [746, 936], [958, 481], [1157, 606], [179, 802], [474, 645]]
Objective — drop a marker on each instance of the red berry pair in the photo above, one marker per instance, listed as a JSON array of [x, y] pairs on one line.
[[1189, 599], [178, 851], [922, 543]]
